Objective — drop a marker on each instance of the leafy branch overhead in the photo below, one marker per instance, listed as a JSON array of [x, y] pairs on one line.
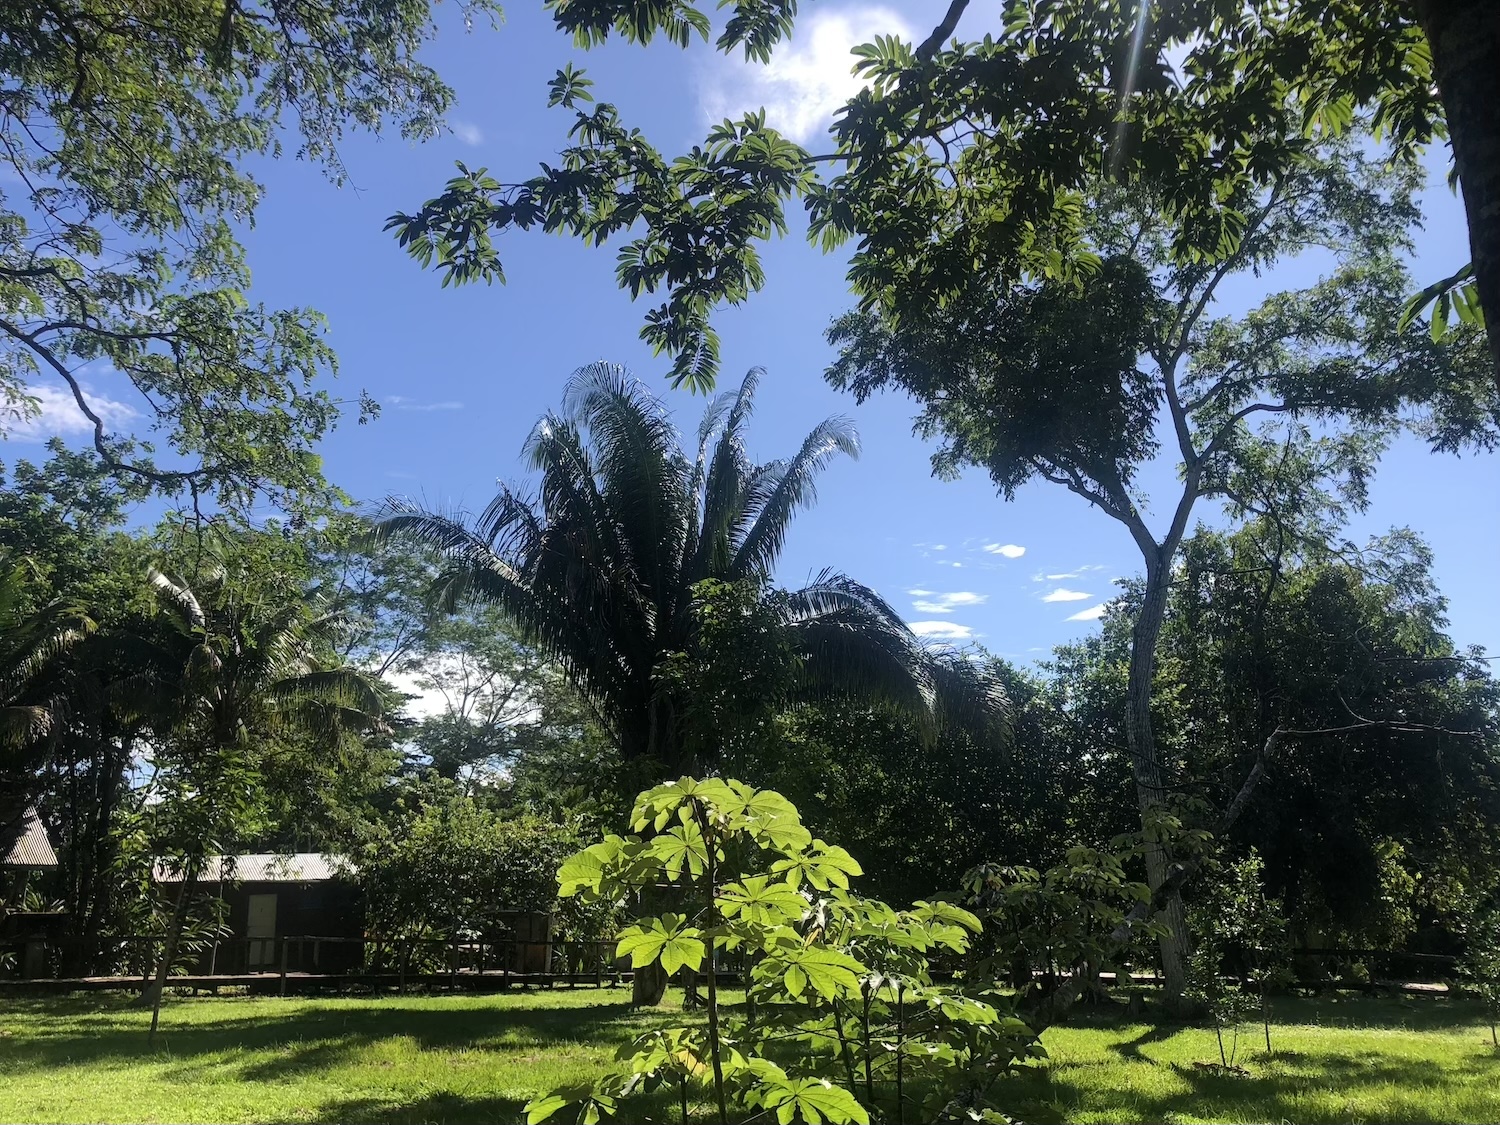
[[958, 157], [127, 133]]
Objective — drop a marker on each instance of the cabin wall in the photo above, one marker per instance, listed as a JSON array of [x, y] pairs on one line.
[[326, 909]]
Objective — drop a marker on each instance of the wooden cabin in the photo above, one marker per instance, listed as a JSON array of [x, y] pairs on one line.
[[316, 898], [270, 897], [24, 850]]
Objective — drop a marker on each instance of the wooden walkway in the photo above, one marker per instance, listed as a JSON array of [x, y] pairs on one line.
[[287, 984]]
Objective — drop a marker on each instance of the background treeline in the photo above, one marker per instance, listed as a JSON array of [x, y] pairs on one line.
[[196, 688]]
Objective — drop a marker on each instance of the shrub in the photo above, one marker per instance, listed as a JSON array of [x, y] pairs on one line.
[[842, 1015]]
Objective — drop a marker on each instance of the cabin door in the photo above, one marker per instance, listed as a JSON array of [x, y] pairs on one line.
[[260, 928]]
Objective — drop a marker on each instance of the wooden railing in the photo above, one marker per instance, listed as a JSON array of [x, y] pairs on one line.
[[392, 958]]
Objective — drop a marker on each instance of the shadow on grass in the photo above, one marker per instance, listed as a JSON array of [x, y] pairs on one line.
[[310, 1039], [1417, 1013], [1151, 1033], [455, 1109], [1291, 1085]]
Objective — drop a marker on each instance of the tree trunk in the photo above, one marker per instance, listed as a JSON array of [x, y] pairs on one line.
[[648, 986], [1464, 37], [152, 993], [1150, 789]]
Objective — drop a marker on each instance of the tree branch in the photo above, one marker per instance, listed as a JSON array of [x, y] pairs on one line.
[[942, 32], [164, 477]]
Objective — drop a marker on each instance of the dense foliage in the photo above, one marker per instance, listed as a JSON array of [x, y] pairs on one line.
[[843, 979], [965, 157], [128, 131]]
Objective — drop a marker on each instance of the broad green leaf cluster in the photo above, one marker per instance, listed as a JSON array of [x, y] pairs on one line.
[[843, 1013]]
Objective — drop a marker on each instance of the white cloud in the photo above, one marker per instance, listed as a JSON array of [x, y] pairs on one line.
[[467, 132], [807, 78], [1063, 594], [920, 593], [1009, 550], [57, 414], [401, 402], [945, 603], [1060, 577], [958, 564], [940, 546], [941, 630], [1093, 613]]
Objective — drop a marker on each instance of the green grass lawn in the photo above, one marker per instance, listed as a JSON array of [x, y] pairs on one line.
[[479, 1058]]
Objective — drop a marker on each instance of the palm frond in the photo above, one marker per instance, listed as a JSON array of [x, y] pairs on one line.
[[179, 598], [643, 475], [796, 488], [855, 645]]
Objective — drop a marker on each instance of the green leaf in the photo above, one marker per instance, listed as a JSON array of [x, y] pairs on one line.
[[682, 847], [822, 865], [586, 870], [828, 972], [666, 939], [539, 1109], [813, 1100], [758, 899]]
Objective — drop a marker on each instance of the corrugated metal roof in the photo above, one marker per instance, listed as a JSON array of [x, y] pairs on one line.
[[23, 841], [262, 867]]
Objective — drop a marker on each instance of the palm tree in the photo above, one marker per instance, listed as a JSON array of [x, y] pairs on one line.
[[232, 674], [599, 569], [34, 695]]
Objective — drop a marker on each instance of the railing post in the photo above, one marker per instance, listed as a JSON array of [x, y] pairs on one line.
[[283, 966]]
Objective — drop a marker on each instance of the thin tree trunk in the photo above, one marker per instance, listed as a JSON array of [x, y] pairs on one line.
[[1150, 786], [153, 992], [1464, 37], [713, 976], [1265, 1016]]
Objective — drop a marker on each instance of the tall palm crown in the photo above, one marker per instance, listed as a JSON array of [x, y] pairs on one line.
[[232, 669], [599, 568], [34, 682]]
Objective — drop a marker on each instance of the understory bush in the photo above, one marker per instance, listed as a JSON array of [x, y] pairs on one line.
[[843, 1021]]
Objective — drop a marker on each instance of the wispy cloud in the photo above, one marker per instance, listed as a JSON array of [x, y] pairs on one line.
[[55, 414], [1061, 577], [941, 630], [946, 603], [1063, 594], [807, 79], [920, 593], [467, 132], [1093, 613], [401, 402], [1009, 550]]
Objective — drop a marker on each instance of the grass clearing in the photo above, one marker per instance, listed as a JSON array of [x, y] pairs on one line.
[[402, 1059], [1336, 1060]]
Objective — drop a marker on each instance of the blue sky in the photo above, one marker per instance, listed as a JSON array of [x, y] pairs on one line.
[[464, 373]]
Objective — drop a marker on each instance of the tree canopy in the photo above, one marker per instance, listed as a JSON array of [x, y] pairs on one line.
[[127, 132], [604, 571], [974, 155]]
